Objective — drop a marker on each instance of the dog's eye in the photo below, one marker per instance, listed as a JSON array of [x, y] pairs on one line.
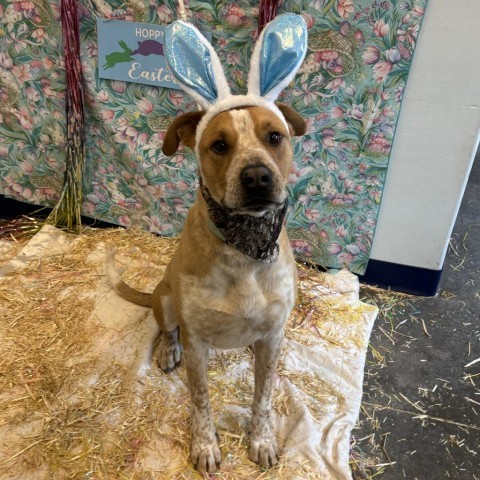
[[219, 146], [275, 138]]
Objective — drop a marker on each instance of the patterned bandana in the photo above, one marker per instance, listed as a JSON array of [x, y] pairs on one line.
[[254, 236]]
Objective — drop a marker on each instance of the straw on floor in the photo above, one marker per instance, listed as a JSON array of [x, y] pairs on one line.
[[81, 396]]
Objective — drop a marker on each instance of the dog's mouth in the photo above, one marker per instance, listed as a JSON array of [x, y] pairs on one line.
[[257, 206]]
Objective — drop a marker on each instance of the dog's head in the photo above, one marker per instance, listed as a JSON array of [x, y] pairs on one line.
[[245, 154], [242, 141]]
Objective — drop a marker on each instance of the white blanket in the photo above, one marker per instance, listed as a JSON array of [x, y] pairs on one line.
[[316, 403]]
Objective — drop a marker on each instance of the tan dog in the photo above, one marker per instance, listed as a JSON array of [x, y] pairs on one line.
[[214, 295]]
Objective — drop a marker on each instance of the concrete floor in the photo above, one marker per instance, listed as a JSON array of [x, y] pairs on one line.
[[421, 407]]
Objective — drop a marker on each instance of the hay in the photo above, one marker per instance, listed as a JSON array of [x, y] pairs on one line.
[[47, 336], [69, 410], [14, 234]]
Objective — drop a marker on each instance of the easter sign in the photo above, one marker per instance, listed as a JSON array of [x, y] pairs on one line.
[[133, 52]]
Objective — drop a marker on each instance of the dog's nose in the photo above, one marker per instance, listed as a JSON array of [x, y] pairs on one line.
[[255, 177]]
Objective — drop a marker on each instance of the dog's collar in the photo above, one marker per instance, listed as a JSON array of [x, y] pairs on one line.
[[256, 237]]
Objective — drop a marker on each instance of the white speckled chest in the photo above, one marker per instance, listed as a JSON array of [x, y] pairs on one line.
[[234, 307]]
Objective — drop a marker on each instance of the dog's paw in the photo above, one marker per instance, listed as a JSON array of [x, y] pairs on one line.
[[205, 455], [169, 356], [264, 451]]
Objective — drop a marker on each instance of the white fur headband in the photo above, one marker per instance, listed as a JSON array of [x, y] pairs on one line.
[[277, 56]]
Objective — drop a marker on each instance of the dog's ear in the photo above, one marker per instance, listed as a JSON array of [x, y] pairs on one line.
[[297, 124], [182, 130]]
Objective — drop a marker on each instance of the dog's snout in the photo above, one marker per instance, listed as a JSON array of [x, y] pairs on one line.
[[256, 177]]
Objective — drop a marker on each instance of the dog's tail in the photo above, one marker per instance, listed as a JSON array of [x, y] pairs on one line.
[[126, 292]]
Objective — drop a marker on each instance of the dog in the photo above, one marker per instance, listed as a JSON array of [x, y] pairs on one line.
[[213, 294], [232, 280]]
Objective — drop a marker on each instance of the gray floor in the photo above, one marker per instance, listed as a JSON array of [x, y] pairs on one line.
[[421, 407]]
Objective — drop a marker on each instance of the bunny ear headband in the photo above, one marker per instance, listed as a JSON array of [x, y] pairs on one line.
[[277, 56]]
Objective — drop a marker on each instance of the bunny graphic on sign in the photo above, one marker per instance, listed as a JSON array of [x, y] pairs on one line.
[[145, 48], [149, 47], [118, 57]]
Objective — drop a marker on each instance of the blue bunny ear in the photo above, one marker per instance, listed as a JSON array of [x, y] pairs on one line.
[[277, 56], [194, 64]]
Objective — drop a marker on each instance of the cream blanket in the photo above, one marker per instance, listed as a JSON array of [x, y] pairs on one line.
[[112, 414]]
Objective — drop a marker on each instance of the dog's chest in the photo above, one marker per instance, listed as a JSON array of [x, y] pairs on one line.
[[234, 309]]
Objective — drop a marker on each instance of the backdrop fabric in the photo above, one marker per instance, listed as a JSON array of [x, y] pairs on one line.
[[349, 90]]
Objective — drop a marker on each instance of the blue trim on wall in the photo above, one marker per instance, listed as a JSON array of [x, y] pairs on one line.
[[402, 278]]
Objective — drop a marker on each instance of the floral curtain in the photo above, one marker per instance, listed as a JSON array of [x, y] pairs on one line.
[[349, 90], [32, 110]]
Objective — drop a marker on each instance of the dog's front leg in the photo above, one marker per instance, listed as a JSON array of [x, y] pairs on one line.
[[263, 444], [204, 450]]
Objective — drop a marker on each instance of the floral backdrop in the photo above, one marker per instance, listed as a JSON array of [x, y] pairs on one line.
[[32, 110], [349, 90]]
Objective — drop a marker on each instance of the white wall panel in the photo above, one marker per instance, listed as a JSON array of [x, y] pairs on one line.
[[436, 139]]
